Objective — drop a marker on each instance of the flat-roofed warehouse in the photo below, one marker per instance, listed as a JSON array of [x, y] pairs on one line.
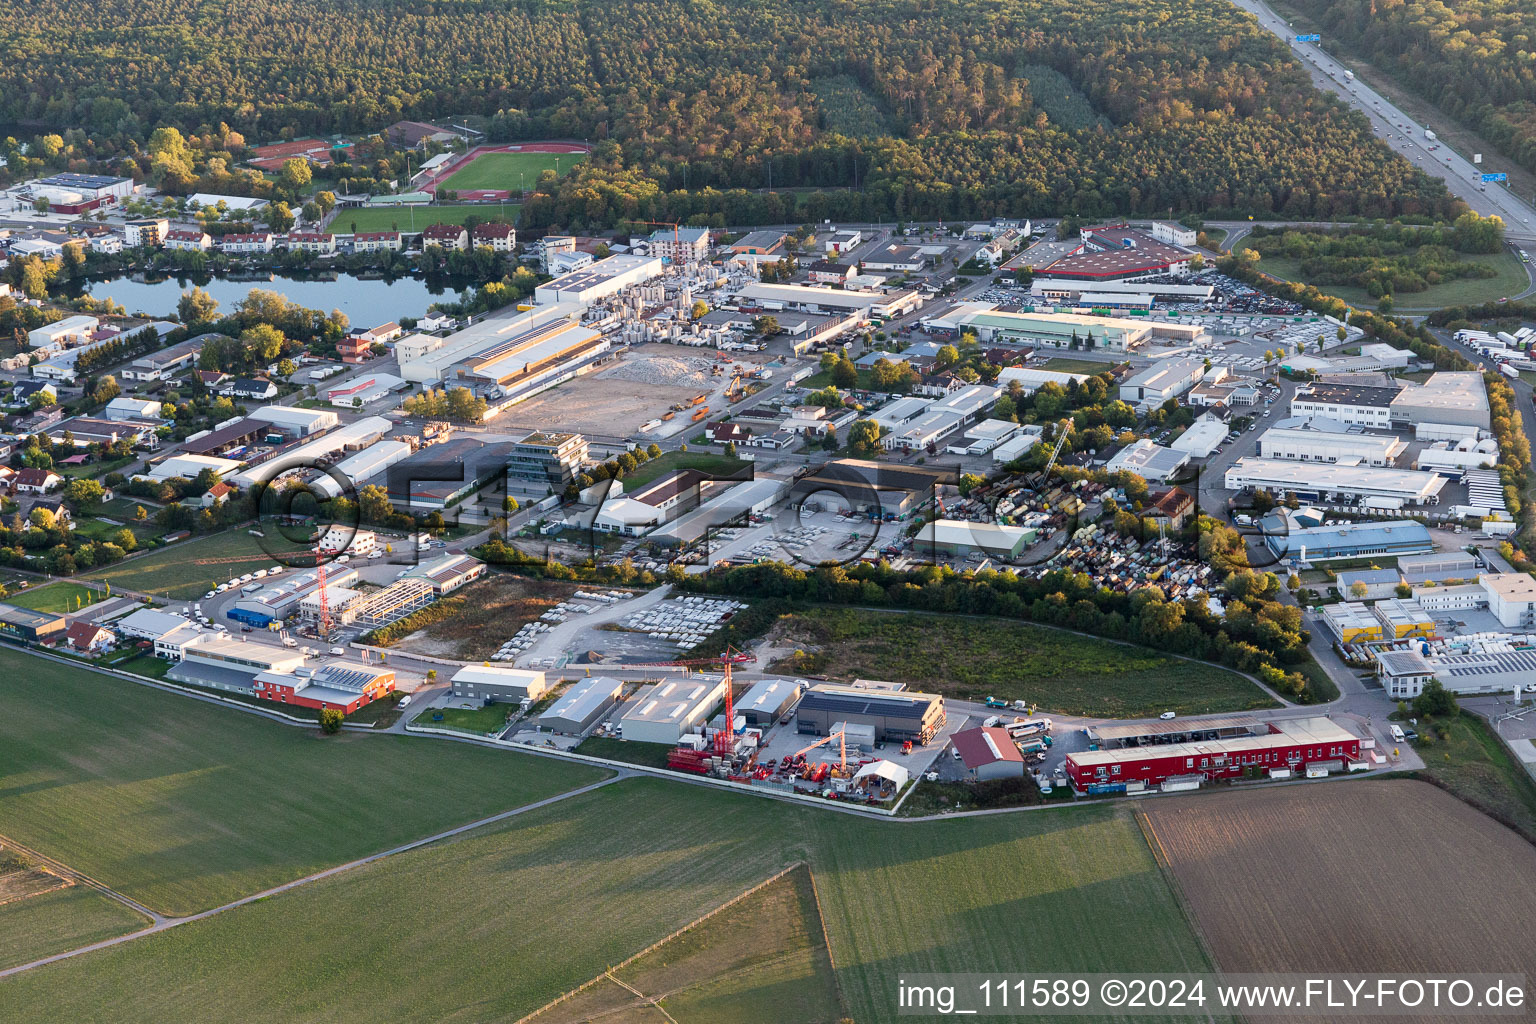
[[1302, 445], [1456, 398], [599, 280], [499, 345], [865, 486], [1348, 540], [491, 684], [664, 712], [579, 708], [1288, 746], [30, 625], [765, 702], [894, 714], [958, 538], [815, 299], [1279, 476]]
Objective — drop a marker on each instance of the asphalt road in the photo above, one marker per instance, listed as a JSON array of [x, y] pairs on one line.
[[1405, 135]]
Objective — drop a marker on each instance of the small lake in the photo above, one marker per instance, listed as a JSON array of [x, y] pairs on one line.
[[366, 301]]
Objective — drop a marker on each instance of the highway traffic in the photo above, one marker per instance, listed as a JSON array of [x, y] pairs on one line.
[[1405, 135]]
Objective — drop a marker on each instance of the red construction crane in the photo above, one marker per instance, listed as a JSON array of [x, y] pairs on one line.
[[729, 658], [325, 605]]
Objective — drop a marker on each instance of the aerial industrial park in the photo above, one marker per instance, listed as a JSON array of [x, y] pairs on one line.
[[802, 529]]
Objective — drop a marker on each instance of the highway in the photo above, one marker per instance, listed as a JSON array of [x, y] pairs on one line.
[[1404, 135]]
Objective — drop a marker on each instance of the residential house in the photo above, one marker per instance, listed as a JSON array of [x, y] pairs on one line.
[[188, 241], [446, 236], [376, 241], [36, 481], [164, 363], [106, 245], [87, 637], [212, 378], [255, 241], [728, 433], [258, 388], [312, 241], [830, 272], [1175, 506], [217, 494], [500, 237]]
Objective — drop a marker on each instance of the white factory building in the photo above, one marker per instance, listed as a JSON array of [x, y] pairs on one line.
[[664, 712], [1279, 476], [362, 468], [1165, 379], [351, 438], [189, 466], [1305, 444], [1032, 380], [1361, 405], [598, 280], [1147, 459], [296, 422], [816, 299], [1458, 398]]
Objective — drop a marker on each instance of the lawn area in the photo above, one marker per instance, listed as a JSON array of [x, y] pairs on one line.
[[53, 922], [491, 718], [99, 468], [57, 597], [414, 218], [1471, 763], [97, 529], [707, 461], [652, 755], [975, 657], [494, 925], [190, 569], [184, 805], [501, 170], [1511, 280]]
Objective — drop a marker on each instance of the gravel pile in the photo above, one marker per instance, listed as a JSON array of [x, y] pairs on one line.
[[667, 371]]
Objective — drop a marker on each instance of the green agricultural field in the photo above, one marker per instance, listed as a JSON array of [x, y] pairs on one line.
[[184, 805], [55, 597], [414, 218], [1511, 280], [981, 657], [54, 922], [185, 571], [493, 925], [501, 170]]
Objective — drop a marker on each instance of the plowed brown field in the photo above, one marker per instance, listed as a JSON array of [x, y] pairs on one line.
[[1373, 877]]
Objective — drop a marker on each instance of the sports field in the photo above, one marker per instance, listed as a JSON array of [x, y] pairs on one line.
[[982, 657], [183, 805], [495, 924], [415, 218], [502, 170], [1391, 876], [190, 569]]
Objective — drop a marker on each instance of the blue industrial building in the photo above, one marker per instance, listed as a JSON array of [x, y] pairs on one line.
[[1348, 540]]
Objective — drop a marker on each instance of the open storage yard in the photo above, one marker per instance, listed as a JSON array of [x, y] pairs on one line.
[[981, 657], [484, 615], [1393, 876], [184, 805], [506, 919]]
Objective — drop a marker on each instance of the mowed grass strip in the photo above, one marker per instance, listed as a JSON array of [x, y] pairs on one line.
[[188, 570], [183, 805], [495, 924], [61, 920], [502, 170], [976, 657]]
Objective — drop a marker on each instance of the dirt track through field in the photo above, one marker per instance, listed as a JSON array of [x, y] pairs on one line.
[[1393, 877]]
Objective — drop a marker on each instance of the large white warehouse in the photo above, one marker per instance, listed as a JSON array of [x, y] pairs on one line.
[[1279, 476], [598, 280], [1303, 445]]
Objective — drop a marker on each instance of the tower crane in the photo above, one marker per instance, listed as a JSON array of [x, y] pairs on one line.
[[731, 657]]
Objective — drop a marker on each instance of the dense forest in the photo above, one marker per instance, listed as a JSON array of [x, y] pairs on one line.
[[1142, 107], [1474, 59]]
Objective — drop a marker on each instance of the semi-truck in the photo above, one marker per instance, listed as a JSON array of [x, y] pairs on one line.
[[1429, 135], [1349, 76], [1509, 371]]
